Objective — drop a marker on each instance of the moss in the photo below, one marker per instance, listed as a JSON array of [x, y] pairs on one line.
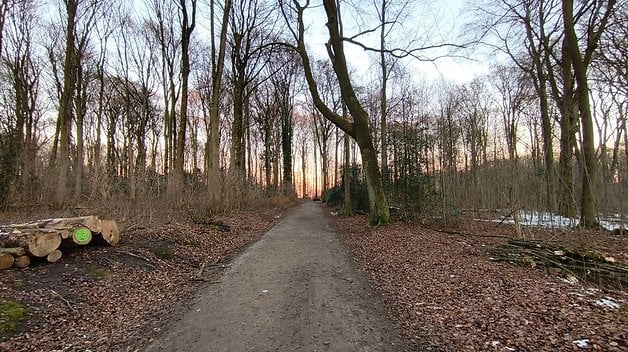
[[97, 272], [163, 252], [11, 313], [380, 219]]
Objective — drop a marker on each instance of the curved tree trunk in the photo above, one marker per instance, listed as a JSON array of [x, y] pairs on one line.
[[359, 129]]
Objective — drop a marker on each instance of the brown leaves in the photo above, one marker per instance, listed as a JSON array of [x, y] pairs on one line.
[[450, 296], [105, 298]]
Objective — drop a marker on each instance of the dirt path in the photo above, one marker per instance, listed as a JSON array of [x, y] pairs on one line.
[[294, 290]]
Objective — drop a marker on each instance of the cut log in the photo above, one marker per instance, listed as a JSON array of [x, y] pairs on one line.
[[43, 244], [82, 236], [20, 235], [18, 251], [54, 256], [92, 222], [22, 261], [6, 261], [109, 231]]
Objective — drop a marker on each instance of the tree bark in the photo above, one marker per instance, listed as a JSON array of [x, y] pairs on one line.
[[580, 65], [188, 22], [214, 182], [65, 105], [347, 207]]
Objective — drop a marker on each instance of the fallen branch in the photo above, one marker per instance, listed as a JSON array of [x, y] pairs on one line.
[[148, 262], [588, 267], [469, 234], [199, 274], [64, 300]]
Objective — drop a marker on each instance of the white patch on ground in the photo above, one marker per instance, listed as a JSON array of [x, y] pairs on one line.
[[555, 221], [607, 303], [584, 343]]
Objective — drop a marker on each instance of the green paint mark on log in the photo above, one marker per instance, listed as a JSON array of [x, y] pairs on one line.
[[82, 236]]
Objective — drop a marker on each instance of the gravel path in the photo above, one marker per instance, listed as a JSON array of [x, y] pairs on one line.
[[294, 290]]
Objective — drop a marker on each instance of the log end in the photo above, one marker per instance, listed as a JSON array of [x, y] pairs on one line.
[[22, 261], [82, 236], [6, 261], [110, 232], [43, 244], [54, 256]]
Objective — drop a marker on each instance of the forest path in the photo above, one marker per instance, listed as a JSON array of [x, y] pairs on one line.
[[296, 289]]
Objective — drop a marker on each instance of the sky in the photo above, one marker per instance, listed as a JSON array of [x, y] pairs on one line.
[[440, 21]]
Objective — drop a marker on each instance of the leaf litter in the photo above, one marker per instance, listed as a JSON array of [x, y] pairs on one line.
[[119, 298], [450, 295]]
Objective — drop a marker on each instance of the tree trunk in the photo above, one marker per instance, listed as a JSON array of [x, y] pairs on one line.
[[65, 106], [359, 129], [383, 107], [81, 110], [187, 27], [22, 261], [63, 227], [54, 256], [286, 148], [214, 180], [303, 170], [6, 261], [580, 66], [347, 208]]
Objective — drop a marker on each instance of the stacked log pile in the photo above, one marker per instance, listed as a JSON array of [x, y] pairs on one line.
[[43, 238]]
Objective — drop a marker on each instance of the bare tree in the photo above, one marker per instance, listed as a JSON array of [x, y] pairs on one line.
[[213, 174], [188, 23], [161, 24], [21, 71], [581, 59], [359, 129], [250, 33], [76, 38]]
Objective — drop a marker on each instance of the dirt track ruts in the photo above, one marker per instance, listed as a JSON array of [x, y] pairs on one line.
[[294, 290]]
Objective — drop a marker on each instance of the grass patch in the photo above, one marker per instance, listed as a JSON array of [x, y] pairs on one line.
[[11, 313], [97, 272], [163, 252]]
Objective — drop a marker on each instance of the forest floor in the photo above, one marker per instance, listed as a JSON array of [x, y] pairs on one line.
[[442, 287], [101, 298], [452, 295]]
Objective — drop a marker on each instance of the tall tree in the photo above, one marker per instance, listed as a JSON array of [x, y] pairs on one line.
[[161, 24], [218, 61], [390, 14], [359, 129], [249, 36], [188, 23], [528, 27], [21, 71], [580, 60], [64, 119]]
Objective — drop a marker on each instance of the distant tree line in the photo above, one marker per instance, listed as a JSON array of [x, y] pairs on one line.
[[223, 102]]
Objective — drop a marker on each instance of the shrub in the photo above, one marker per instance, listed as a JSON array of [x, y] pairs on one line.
[[359, 194]]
